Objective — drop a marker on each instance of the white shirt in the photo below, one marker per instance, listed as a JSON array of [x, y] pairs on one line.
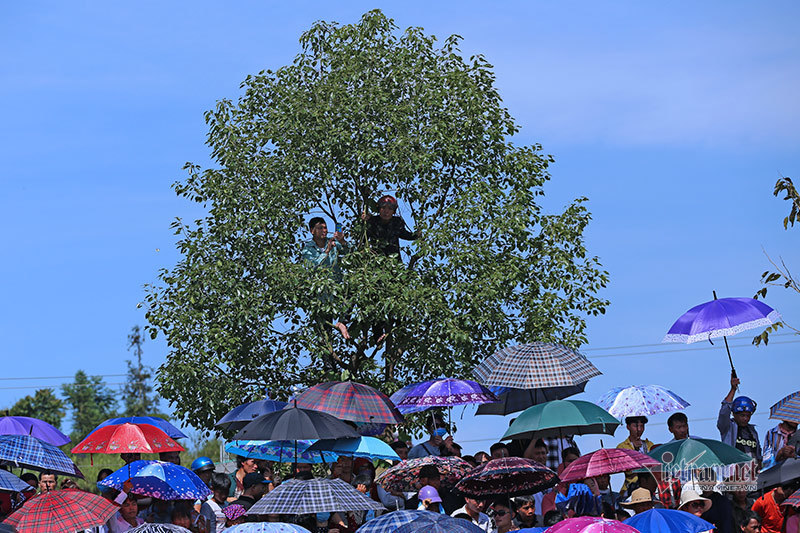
[[483, 522], [212, 511], [117, 524]]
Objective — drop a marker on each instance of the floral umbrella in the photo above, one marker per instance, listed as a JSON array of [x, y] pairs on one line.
[[158, 479], [507, 476], [641, 400], [404, 477], [128, 438]]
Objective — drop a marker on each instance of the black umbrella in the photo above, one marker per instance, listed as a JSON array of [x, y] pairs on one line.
[[294, 423], [514, 400], [783, 472]]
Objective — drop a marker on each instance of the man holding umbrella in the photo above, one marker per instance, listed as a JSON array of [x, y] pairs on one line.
[[738, 431]]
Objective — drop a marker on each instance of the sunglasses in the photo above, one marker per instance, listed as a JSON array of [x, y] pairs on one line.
[[501, 512], [696, 505]]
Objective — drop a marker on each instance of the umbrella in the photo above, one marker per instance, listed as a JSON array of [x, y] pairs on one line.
[[389, 522], [281, 451], [158, 479], [29, 452], [698, 453], [128, 438], [297, 496], [561, 417], [368, 429], [534, 366], [793, 500], [404, 476], [25, 425], [720, 318], [668, 521], [156, 421], [781, 473], [641, 400], [294, 423], [159, 528], [11, 483], [267, 527], [368, 447], [240, 416], [6, 528], [62, 511], [350, 401], [607, 461], [398, 396], [787, 409], [513, 400], [430, 522], [590, 524], [507, 476], [445, 393]]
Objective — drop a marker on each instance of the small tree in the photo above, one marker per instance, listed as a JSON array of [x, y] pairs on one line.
[[781, 276], [90, 402], [44, 405], [139, 397]]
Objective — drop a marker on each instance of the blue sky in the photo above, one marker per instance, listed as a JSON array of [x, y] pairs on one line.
[[674, 119]]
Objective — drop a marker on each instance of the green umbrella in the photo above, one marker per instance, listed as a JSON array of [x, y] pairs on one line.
[[698, 453], [562, 417]]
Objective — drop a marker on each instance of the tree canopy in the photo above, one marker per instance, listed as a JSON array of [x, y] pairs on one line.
[[364, 110], [90, 402], [44, 405]]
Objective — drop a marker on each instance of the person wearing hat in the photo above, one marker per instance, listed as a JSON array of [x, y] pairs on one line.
[[385, 230], [693, 503], [641, 500], [234, 515], [203, 467], [635, 426], [429, 500], [255, 485], [736, 430]]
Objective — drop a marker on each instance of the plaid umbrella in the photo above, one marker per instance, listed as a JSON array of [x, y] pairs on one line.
[[389, 522], [159, 528], [607, 461], [438, 523], [404, 477], [29, 452], [507, 476], [128, 438], [266, 527], [350, 401], [315, 495], [11, 483], [536, 365], [793, 500], [62, 510], [445, 393], [281, 451], [787, 409]]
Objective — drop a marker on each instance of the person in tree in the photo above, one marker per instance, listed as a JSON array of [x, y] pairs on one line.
[[324, 252], [385, 230]]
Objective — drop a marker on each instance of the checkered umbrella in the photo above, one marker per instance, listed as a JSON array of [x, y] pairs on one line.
[[313, 496], [438, 523], [787, 409], [29, 452], [62, 511], [11, 483], [350, 401], [404, 477], [159, 528], [507, 476], [535, 365], [793, 500], [389, 522]]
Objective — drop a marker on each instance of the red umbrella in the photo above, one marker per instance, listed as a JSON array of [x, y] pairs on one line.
[[350, 401], [607, 461], [127, 438], [62, 510]]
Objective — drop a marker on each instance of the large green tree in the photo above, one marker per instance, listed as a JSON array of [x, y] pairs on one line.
[[363, 110], [43, 404], [90, 402]]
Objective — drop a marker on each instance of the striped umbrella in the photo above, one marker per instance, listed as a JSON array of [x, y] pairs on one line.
[[787, 409], [159, 528]]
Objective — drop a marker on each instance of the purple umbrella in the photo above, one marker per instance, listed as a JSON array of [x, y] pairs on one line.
[[720, 318], [24, 425], [444, 393]]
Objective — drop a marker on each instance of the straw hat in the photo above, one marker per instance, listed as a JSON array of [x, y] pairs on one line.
[[688, 496], [639, 495]]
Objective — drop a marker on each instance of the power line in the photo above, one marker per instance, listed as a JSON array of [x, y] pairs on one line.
[[64, 377], [662, 344], [698, 349], [71, 384]]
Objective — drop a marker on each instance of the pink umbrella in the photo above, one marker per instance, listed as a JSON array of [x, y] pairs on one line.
[[591, 524], [607, 461]]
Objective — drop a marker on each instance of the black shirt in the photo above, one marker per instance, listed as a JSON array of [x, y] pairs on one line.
[[386, 237]]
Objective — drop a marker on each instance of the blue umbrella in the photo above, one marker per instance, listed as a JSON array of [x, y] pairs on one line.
[[668, 521], [158, 479], [400, 395], [281, 451], [29, 452], [240, 416], [438, 523], [389, 522], [266, 527], [11, 483], [158, 422], [532, 530], [368, 447], [641, 400]]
